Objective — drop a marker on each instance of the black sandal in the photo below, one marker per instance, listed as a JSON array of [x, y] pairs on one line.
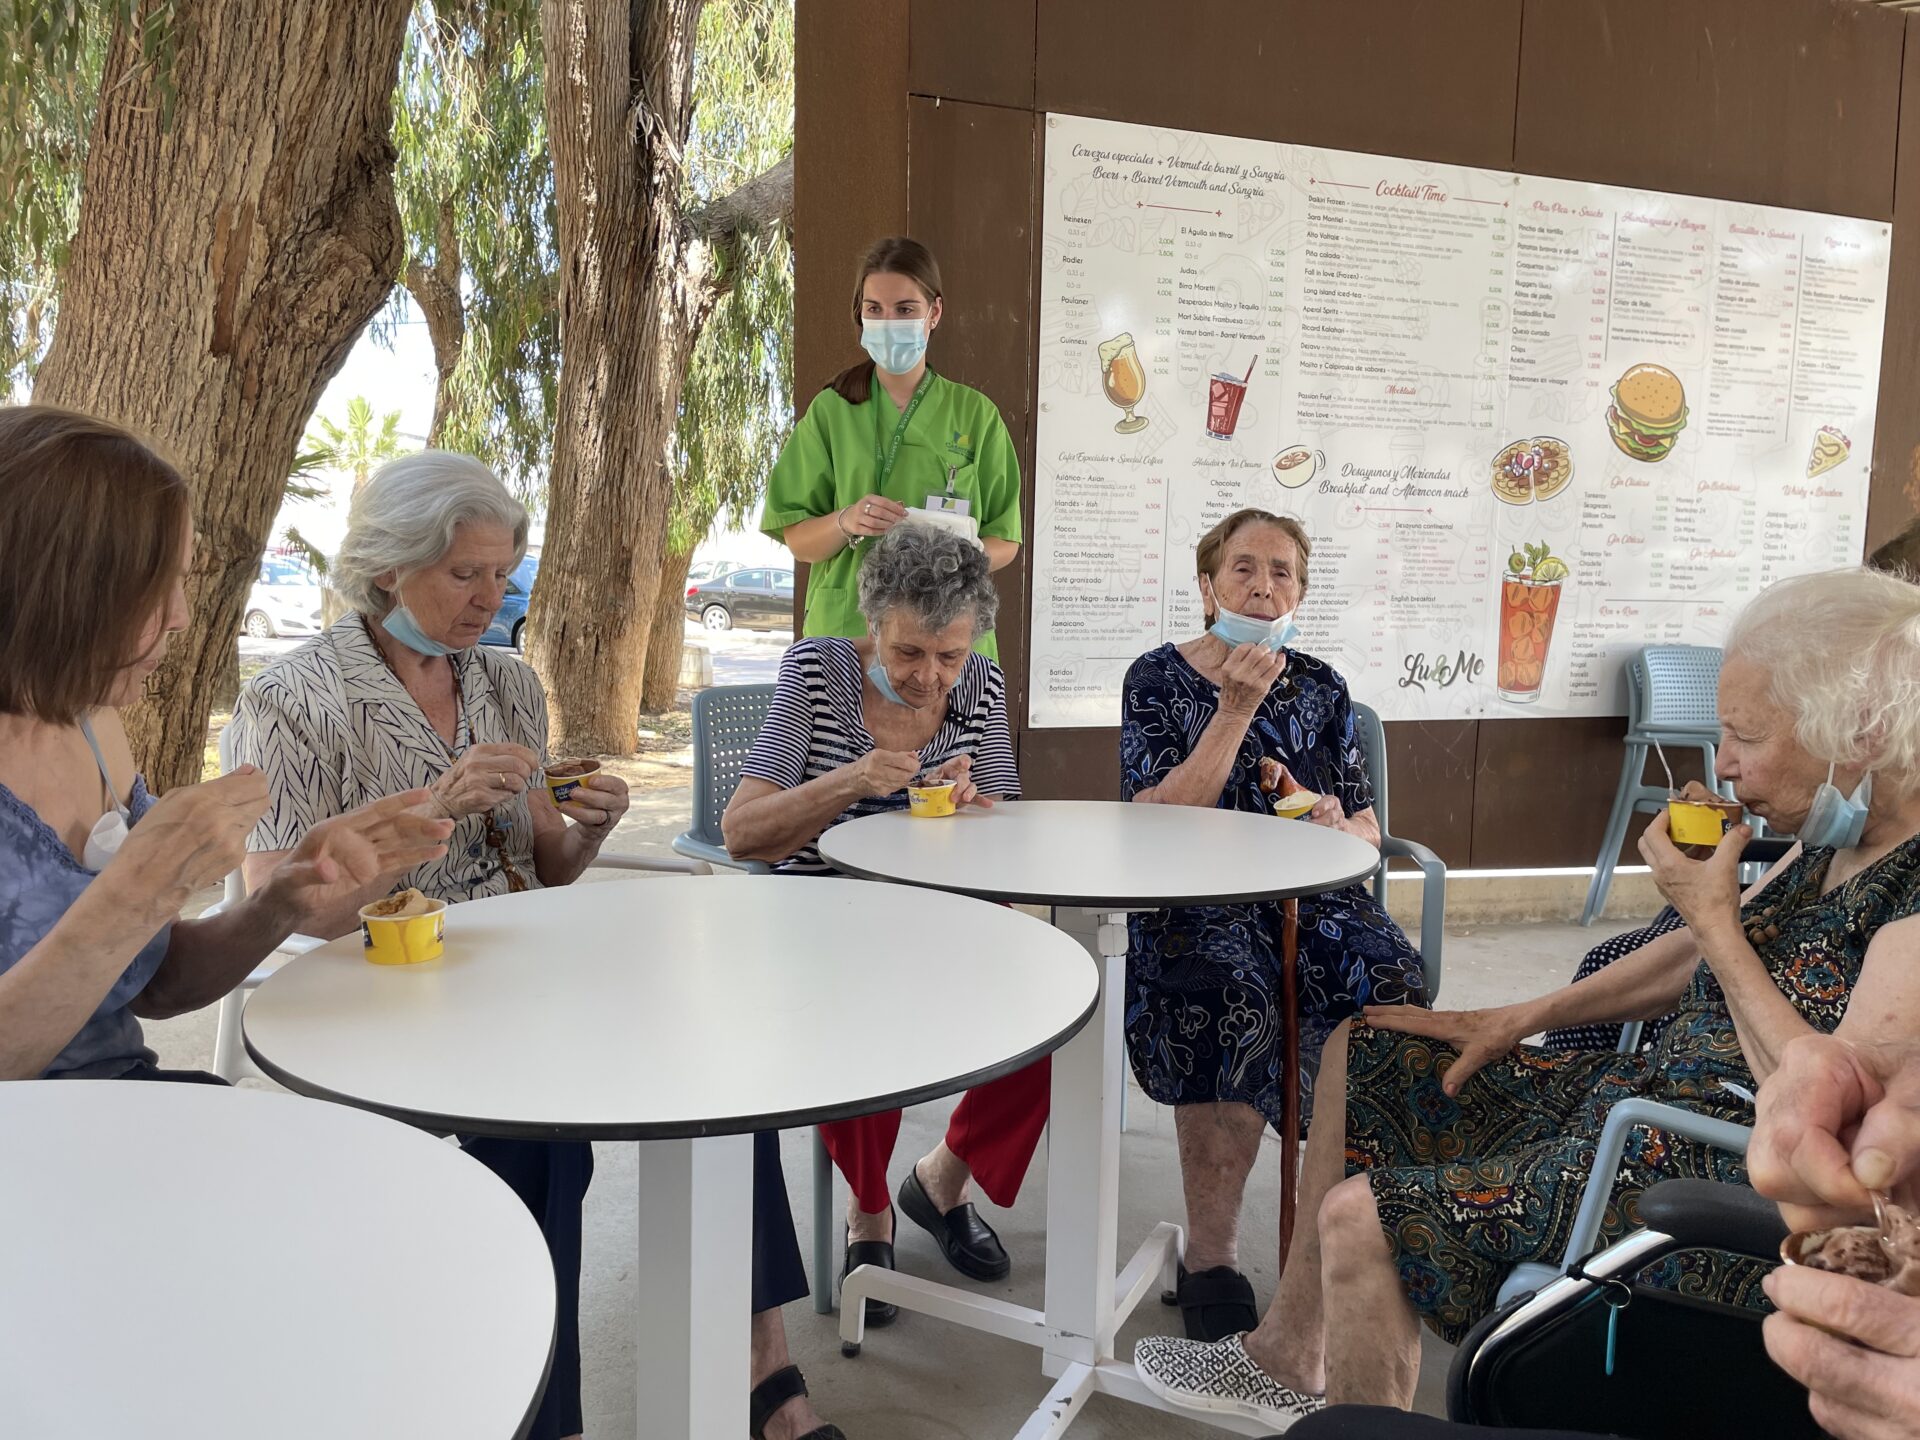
[[1214, 1304], [776, 1390]]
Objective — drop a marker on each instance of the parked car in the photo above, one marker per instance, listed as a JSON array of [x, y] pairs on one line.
[[284, 600], [510, 622], [710, 570], [751, 599]]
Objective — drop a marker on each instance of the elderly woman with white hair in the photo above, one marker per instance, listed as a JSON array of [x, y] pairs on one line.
[[399, 696], [852, 723], [1444, 1152]]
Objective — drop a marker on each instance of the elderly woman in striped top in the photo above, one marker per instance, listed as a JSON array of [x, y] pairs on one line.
[[852, 723]]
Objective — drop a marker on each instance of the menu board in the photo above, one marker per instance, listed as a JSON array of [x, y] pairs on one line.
[[1530, 425]]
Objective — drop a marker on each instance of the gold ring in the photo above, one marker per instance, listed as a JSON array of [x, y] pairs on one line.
[[503, 778]]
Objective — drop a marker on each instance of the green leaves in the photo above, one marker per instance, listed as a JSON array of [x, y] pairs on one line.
[[1538, 563]]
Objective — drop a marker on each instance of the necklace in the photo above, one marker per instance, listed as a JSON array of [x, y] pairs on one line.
[[496, 836]]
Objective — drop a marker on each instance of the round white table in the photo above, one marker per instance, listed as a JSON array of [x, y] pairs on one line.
[[189, 1262], [687, 1013], [1098, 859]]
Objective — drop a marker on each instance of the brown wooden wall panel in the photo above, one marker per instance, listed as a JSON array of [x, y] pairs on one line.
[[979, 50], [971, 200], [849, 179], [1070, 764], [1400, 77], [1430, 775], [1896, 433], [1789, 102]]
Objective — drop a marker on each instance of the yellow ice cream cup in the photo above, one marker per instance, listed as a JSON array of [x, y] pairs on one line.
[[562, 786], [403, 939], [1292, 807], [925, 802], [1695, 824]]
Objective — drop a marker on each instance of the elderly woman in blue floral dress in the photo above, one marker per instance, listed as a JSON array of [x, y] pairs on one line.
[[1446, 1152], [1224, 721]]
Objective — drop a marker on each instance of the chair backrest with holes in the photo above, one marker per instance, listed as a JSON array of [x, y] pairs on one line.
[[1676, 687], [726, 719]]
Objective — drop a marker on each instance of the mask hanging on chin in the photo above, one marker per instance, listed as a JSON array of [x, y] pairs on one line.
[[1836, 821], [1239, 630], [400, 624], [877, 673], [896, 346]]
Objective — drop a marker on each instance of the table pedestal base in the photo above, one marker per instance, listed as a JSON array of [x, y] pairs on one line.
[[695, 1268], [1086, 1303]]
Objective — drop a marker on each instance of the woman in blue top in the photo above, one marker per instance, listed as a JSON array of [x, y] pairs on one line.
[[1225, 721], [97, 534]]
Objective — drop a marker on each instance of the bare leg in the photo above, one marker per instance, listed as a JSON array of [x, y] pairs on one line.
[[862, 1226], [945, 1177], [1218, 1144], [1291, 1342], [796, 1417], [1373, 1335]]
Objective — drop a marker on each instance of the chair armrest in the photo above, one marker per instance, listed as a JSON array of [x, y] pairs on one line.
[[705, 851], [1705, 1213], [1433, 902], [1621, 1120], [641, 862]]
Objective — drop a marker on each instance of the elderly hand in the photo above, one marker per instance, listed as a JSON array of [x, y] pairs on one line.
[[345, 855], [960, 771], [875, 515], [191, 838], [1836, 1119], [885, 772], [1247, 677], [483, 778], [598, 803], [1863, 1378], [1705, 892], [1479, 1035]]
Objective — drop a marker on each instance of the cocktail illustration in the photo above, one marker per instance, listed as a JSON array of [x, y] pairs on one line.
[[1529, 604], [1124, 382], [1225, 395]]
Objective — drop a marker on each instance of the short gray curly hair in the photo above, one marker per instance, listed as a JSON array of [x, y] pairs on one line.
[[404, 520], [1841, 651], [932, 572]]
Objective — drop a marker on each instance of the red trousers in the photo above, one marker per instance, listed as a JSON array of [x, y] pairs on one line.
[[994, 1129]]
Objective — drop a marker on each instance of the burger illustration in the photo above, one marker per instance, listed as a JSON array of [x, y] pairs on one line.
[[1648, 413]]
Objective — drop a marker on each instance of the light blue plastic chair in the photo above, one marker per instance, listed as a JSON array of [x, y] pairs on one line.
[[726, 718], [1673, 701], [1433, 897]]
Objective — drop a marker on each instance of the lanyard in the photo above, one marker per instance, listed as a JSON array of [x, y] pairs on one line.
[[885, 455]]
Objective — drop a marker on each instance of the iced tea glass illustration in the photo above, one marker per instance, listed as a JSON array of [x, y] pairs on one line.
[[1527, 612], [1124, 381], [1225, 393]]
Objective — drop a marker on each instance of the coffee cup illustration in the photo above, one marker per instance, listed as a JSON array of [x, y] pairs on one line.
[[1296, 465]]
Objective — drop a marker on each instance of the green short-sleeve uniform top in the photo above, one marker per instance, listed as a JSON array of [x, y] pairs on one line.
[[830, 462]]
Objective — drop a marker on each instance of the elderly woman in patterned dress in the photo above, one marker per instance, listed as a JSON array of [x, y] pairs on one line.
[[1221, 721], [400, 694], [1445, 1152]]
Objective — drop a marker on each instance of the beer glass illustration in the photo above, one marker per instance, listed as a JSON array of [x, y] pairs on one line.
[[1124, 382], [1529, 604]]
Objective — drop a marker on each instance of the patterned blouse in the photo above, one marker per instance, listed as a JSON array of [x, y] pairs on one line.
[[816, 724], [333, 728]]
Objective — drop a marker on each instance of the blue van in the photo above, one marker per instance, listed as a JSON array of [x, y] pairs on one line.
[[510, 624]]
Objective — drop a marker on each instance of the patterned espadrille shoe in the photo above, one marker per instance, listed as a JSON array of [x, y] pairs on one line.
[[1220, 1378]]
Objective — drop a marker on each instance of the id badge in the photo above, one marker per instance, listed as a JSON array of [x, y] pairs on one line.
[[949, 505]]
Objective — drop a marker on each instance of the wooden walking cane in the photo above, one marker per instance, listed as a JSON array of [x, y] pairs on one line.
[[1290, 1080]]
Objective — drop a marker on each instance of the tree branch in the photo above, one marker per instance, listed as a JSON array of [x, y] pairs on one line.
[[763, 203]]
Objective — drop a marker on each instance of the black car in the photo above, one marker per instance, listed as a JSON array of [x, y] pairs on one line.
[[753, 599]]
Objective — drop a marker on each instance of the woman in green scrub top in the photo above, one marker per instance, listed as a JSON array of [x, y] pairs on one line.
[[866, 453]]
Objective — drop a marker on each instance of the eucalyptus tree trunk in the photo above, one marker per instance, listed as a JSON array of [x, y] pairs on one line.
[[666, 638], [227, 256]]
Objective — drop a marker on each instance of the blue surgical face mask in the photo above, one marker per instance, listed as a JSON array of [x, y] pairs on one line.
[[400, 624], [1246, 630], [1834, 820], [883, 682], [895, 345]]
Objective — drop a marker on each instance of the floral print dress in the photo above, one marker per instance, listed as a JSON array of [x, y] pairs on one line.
[[1203, 1016], [1470, 1186]]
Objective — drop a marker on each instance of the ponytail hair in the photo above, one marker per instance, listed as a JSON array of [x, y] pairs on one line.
[[895, 255]]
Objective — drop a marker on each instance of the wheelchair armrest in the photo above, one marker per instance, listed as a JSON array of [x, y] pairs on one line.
[[1767, 849], [1706, 1213], [1433, 902], [1621, 1120]]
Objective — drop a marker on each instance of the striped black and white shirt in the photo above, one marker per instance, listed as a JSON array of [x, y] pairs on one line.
[[816, 724]]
